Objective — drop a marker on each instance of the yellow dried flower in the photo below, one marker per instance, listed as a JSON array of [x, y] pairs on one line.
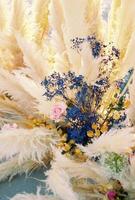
[[94, 126], [77, 151], [97, 133], [104, 128], [67, 147], [90, 133], [127, 103], [116, 115]]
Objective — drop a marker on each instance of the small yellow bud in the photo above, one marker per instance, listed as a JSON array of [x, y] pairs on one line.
[[71, 142], [97, 133], [68, 155], [100, 120], [67, 147], [116, 115], [104, 128], [60, 145], [49, 126], [127, 103], [64, 137], [94, 126], [90, 133], [109, 186], [34, 121], [78, 151]]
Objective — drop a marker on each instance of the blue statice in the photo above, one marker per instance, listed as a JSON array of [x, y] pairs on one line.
[[94, 45], [54, 85], [57, 84], [79, 135], [84, 97], [77, 117], [73, 81], [80, 123]]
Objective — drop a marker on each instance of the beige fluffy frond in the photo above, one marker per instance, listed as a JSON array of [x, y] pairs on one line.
[[77, 18], [121, 23], [10, 168], [40, 14], [76, 169], [44, 106], [4, 15], [59, 182], [56, 20], [28, 144], [94, 19], [74, 25], [21, 20], [9, 84], [36, 91], [33, 58], [10, 112], [10, 54], [121, 32], [64, 172], [89, 65], [128, 61], [119, 141]]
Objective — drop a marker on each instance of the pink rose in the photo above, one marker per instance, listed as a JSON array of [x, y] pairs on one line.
[[58, 111], [111, 195], [9, 127]]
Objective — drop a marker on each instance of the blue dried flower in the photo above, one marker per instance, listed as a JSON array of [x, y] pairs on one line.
[[96, 49], [94, 45], [78, 135], [57, 85], [81, 123], [115, 52], [54, 86], [84, 97]]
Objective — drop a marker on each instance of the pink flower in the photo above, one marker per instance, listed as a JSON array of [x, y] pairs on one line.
[[58, 111], [111, 195], [9, 127]]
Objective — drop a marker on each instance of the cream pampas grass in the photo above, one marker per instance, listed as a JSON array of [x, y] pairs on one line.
[[28, 145], [77, 169], [64, 170], [119, 141], [24, 150], [59, 182], [11, 168]]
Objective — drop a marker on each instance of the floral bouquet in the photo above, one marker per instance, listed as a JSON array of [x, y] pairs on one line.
[[67, 97]]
